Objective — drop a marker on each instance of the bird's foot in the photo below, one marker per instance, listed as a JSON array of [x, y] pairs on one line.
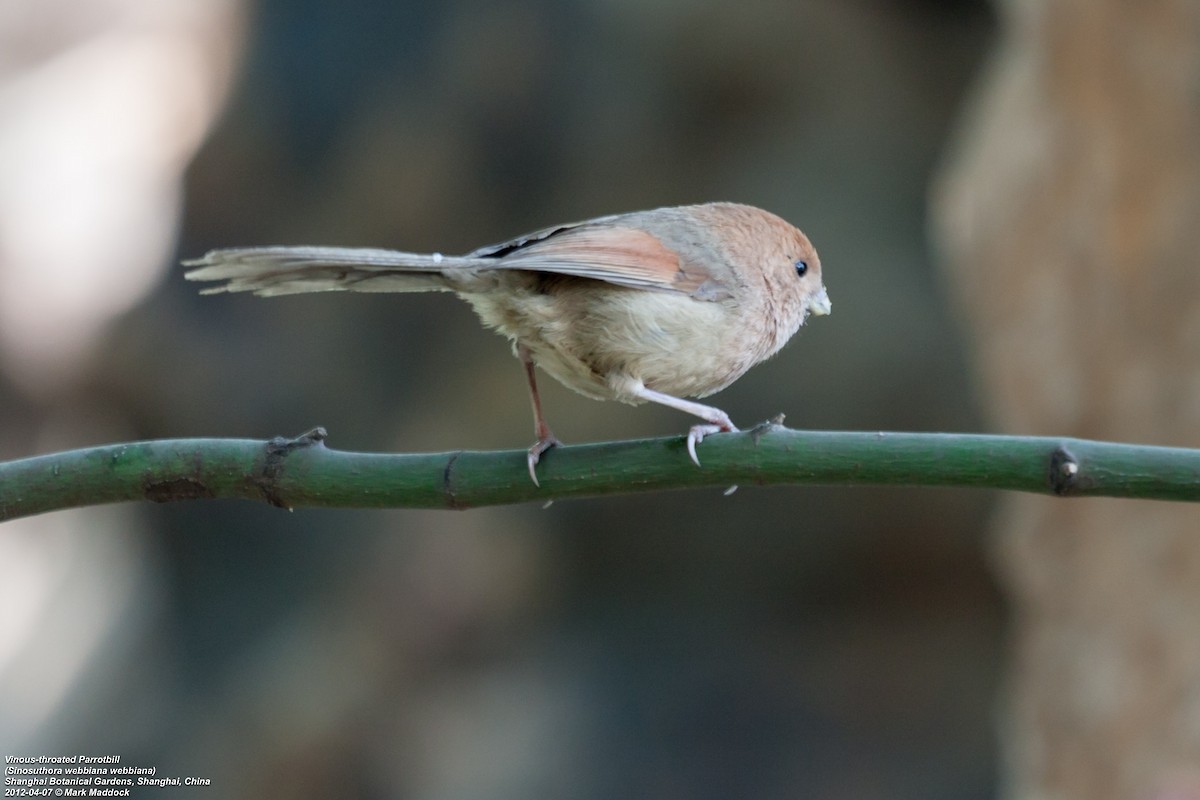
[[698, 432], [535, 454]]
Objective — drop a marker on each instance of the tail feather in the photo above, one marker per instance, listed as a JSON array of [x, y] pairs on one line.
[[268, 271]]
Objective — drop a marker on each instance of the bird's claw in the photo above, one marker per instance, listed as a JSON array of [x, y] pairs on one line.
[[698, 432], [535, 455]]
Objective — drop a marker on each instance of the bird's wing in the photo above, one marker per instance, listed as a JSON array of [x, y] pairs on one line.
[[614, 253]]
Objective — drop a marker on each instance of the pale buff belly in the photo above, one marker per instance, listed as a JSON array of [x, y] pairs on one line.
[[595, 339]]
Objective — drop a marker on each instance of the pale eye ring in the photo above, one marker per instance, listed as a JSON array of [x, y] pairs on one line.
[[801, 268]]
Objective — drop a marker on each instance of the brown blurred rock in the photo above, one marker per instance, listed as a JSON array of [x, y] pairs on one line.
[[1069, 219]]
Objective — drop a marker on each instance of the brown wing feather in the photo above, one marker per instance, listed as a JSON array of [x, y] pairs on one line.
[[624, 256]]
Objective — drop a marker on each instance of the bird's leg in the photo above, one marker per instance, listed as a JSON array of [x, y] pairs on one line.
[[545, 436], [717, 419]]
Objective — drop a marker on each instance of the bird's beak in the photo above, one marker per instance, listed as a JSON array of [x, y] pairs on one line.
[[819, 305]]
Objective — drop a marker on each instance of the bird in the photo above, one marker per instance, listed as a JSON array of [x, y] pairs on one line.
[[645, 306]]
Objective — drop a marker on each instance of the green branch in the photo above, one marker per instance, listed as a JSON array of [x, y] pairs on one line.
[[304, 472]]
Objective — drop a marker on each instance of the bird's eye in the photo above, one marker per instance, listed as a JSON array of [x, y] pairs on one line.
[[801, 268]]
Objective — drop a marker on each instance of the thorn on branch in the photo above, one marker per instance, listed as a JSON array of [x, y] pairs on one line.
[[765, 427], [285, 445]]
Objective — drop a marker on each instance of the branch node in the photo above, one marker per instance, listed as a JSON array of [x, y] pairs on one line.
[[1064, 472], [278, 449], [448, 481]]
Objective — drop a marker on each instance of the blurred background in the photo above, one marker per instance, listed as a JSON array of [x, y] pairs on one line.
[[818, 642]]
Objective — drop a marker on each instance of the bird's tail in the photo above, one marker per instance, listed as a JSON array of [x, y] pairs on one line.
[[268, 271]]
